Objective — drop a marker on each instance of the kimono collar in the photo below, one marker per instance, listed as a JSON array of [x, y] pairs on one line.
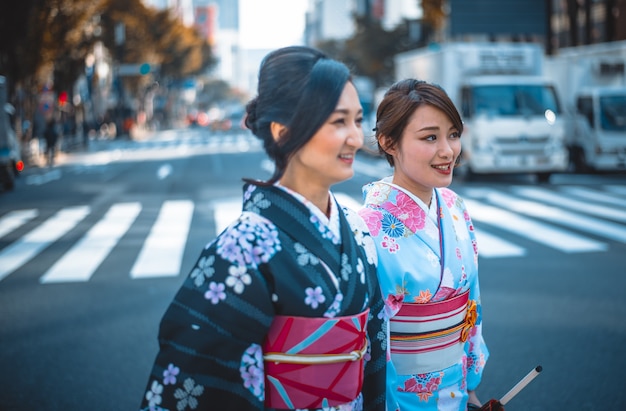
[[332, 223], [430, 211]]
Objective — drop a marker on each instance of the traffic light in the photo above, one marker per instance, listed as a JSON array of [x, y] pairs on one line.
[[62, 98]]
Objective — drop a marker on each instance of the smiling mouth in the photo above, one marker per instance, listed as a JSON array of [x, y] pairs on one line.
[[346, 156], [445, 167]]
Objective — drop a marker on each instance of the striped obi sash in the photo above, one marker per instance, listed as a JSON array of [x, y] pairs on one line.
[[314, 362], [429, 337]]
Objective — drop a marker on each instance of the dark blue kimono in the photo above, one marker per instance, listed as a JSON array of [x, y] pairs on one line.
[[278, 258]]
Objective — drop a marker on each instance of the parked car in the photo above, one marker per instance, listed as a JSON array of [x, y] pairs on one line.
[[11, 163]]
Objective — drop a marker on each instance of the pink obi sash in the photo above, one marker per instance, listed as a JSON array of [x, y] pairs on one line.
[[314, 362], [429, 337]]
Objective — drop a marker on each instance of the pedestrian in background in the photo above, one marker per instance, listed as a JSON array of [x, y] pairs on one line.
[[51, 135], [428, 257], [283, 309]]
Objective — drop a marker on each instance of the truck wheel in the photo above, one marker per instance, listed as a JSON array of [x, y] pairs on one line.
[[579, 160], [543, 177]]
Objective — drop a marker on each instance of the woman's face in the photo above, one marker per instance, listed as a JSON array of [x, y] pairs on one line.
[[327, 157], [425, 155]]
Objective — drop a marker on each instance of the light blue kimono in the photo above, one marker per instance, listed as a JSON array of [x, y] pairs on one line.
[[407, 236]]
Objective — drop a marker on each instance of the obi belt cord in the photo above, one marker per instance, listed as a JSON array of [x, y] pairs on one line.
[[315, 362]]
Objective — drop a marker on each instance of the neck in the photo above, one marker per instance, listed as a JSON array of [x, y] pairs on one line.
[[320, 197]]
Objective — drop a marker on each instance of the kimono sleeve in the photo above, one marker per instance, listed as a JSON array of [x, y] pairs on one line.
[[210, 336], [475, 347]]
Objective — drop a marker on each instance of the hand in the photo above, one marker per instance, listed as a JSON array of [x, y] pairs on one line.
[[473, 403]]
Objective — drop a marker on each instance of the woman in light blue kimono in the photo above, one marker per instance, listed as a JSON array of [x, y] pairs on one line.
[[427, 254]]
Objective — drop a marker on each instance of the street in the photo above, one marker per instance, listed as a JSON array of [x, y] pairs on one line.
[[84, 279]]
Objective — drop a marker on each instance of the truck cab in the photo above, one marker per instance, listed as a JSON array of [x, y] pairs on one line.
[[598, 138], [511, 111], [522, 116]]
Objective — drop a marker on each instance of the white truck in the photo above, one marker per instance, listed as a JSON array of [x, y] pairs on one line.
[[591, 81], [511, 111]]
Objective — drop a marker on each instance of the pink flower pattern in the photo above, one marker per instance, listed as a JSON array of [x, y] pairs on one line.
[[373, 219], [423, 385], [390, 244], [394, 301], [449, 197], [407, 211]]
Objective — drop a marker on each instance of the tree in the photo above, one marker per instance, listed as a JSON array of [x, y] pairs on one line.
[[43, 41], [433, 15], [155, 37], [370, 51]]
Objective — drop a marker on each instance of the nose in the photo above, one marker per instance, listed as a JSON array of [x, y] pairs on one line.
[[355, 137], [446, 150]]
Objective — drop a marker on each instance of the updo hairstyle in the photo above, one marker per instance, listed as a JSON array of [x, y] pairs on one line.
[[298, 87]]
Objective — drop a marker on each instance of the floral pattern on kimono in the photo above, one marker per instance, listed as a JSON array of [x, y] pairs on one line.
[[411, 252], [277, 258]]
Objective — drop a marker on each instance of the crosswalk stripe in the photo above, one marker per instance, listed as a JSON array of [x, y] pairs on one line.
[[82, 260], [225, 212], [621, 190], [562, 217], [594, 195], [561, 201], [15, 219], [542, 233], [162, 252], [535, 214], [20, 252], [491, 246]]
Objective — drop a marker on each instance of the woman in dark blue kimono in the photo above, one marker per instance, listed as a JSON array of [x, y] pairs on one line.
[[283, 310]]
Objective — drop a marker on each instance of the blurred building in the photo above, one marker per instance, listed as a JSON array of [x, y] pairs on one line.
[[553, 23], [575, 23], [329, 20]]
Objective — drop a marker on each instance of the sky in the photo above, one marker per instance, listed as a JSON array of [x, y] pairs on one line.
[[268, 24]]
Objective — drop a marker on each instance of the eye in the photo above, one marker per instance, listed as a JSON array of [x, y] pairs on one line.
[[455, 135], [430, 137]]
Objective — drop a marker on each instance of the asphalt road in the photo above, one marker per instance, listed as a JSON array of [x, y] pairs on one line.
[[78, 325]]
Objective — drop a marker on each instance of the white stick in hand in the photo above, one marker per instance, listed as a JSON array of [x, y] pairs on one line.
[[520, 385]]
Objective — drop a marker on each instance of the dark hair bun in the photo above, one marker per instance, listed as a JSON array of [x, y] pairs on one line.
[[251, 115]]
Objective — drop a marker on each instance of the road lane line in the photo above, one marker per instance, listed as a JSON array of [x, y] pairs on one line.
[[577, 221], [14, 219], [612, 213], [594, 195], [82, 260], [20, 252], [162, 252], [540, 232], [491, 246], [225, 212], [616, 189]]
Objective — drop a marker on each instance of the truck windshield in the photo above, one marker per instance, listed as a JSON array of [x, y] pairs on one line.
[[513, 100], [613, 113]]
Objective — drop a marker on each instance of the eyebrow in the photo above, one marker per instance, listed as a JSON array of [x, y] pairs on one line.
[[346, 111], [429, 128]]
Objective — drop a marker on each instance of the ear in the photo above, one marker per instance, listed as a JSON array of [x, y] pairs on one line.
[[386, 144], [277, 130]]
